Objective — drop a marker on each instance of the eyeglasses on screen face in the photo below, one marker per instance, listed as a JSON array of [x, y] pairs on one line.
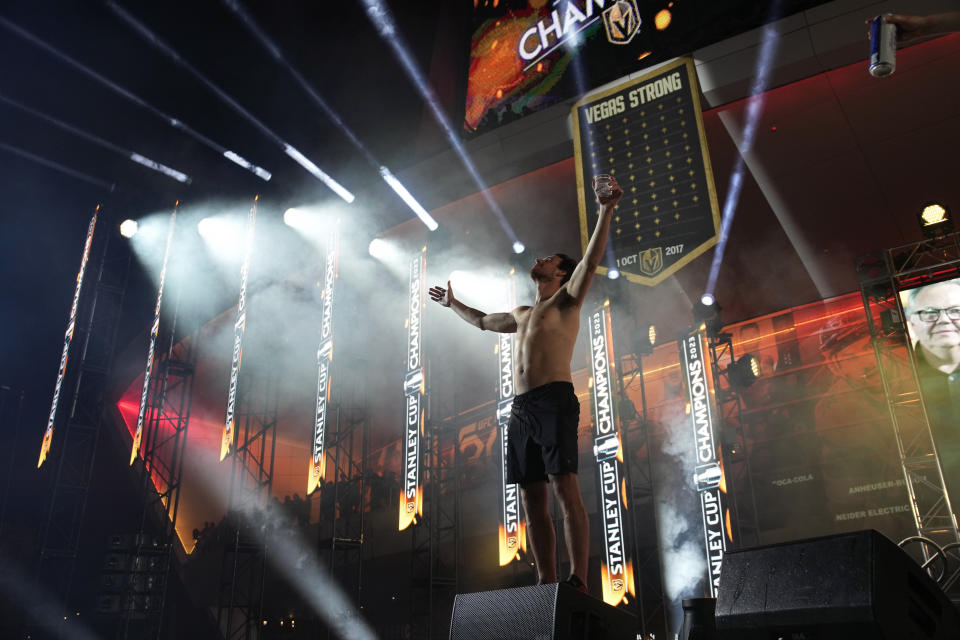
[[932, 315]]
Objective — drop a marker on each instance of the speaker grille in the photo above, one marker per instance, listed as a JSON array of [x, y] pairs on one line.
[[525, 613]]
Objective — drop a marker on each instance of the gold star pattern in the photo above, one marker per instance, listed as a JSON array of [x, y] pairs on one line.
[[609, 138], [639, 238], [696, 199], [675, 203], [676, 216], [674, 189], [618, 231], [609, 148], [657, 234], [653, 196], [636, 213], [634, 201], [656, 220], [650, 171], [636, 226], [652, 183], [616, 219], [655, 208]]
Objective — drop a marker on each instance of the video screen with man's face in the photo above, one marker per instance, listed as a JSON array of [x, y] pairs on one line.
[[932, 314]]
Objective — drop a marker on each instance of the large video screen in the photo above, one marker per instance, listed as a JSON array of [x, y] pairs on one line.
[[932, 314], [529, 54]]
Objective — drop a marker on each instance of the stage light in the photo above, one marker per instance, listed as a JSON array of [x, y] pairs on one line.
[[207, 227], [935, 220], [170, 120], [378, 248], [754, 109], [744, 372], [652, 335], [128, 228], [379, 14], [260, 172], [162, 168], [613, 273], [405, 195], [707, 299], [519, 247], [295, 218], [318, 173]]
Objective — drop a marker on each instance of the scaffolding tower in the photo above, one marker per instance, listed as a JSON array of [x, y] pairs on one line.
[[736, 461], [648, 574], [75, 443], [436, 537], [243, 569], [170, 399], [882, 276], [343, 499]]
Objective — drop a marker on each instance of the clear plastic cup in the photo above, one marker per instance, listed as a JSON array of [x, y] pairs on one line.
[[602, 185]]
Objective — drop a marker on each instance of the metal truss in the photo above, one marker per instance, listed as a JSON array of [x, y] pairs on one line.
[[344, 498], [436, 538], [170, 399], [882, 275], [734, 456], [636, 452], [75, 443], [242, 575]]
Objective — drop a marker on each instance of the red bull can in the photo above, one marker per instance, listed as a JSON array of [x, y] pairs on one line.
[[883, 48]]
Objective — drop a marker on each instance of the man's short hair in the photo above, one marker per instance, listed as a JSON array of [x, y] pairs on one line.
[[567, 264]]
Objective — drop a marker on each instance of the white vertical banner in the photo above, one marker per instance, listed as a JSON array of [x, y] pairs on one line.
[[68, 338], [616, 570], [229, 427], [414, 390], [318, 456], [151, 349], [512, 531], [708, 476]]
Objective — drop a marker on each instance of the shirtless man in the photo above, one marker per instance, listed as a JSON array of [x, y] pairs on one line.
[[542, 433]]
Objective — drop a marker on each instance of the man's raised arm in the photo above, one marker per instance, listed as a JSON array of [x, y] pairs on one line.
[[580, 280], [501, 322]]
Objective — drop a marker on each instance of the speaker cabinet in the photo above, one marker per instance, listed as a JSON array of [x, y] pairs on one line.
[[850, 586], [541, 612]]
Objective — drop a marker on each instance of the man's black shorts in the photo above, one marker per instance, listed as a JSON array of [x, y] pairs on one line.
[[542, 433]]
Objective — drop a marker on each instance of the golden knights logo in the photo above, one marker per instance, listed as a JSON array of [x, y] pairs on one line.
[[651, 261], [622, 21]]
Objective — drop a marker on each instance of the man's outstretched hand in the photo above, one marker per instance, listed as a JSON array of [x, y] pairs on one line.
[[441, 295], [615, 194]]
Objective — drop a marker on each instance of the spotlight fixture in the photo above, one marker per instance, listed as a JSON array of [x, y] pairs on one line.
[[744, 372], [613, 273], [408, 198], [377, 248], [706, 308], [652, 335], [935, 220], [294, 217], [206, 227], [518, 247], [128, 228]]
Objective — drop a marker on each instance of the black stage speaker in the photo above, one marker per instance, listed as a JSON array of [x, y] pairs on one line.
[[850, 586], [542, 612]]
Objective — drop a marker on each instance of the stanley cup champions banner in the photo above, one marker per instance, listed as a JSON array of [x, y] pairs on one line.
[[229, 427], [154, 333], [68, 338], [708, 476], [414, 381], [616, 570], [648, 134], [318, 457], [513, 534]]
